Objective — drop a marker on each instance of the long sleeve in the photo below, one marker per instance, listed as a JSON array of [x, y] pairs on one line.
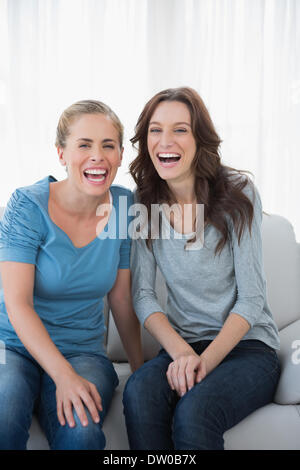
[[248, 266], [143, 268]]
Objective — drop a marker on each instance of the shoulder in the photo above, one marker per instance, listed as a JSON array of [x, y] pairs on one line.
[[247, 187], [24, 205], [118, 190], [36, 192]]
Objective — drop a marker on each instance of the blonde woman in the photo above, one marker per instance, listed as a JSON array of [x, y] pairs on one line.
[[56, 267]]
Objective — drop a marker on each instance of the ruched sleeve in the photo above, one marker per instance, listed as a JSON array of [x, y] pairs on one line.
[[20, 230], [125, 254]]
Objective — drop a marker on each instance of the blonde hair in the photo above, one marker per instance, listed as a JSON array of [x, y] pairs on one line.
[[84, 107]]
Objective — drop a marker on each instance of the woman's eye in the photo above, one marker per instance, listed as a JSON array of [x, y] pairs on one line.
[[180, 130], [108, 147], [153, 130], [83, 146]]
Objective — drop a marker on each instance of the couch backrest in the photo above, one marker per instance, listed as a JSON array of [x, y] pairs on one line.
[[281, 258]]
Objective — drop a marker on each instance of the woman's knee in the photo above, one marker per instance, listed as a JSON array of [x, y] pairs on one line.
[[198, 408], [133, 390], [149, 381], [79, 437], [15, 418], [199, 422], [19, 387]]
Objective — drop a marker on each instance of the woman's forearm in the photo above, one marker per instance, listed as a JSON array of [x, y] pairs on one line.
[[129, 329], [233, 330], [159, 326], [34, 336]]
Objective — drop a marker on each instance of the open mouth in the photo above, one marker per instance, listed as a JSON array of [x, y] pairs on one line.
[[95, 176], [168, 159]]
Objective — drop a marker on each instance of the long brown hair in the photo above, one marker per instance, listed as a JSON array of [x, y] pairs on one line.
[[214, 187]]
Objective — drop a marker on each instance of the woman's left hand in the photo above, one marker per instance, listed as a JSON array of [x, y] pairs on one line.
[[185, 371]]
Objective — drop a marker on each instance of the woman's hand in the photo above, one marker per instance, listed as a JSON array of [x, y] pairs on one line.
[[185, 371], [72, 390]]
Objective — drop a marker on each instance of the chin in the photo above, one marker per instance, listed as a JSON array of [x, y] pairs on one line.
[[167, 177]]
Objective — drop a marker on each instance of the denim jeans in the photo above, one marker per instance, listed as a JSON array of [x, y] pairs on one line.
[[158, 419], [25, 387]]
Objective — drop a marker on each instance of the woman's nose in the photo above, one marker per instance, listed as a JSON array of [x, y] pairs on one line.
[[166, 139], [97, 156]]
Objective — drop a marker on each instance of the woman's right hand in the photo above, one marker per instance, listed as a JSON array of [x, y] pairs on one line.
[[73, 391]]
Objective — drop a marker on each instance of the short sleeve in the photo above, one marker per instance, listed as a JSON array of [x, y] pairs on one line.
[[125, 219], [125, 249], [20, 230]]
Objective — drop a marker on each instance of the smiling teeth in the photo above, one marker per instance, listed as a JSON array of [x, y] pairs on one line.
[[168, 155], [95, 172]]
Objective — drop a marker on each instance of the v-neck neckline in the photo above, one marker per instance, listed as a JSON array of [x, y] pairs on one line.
[[61, 230]]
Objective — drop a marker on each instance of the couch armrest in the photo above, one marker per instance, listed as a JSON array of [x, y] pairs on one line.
[[288, 389]]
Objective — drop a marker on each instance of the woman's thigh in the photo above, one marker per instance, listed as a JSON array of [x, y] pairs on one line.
[[147, 390], [149, 404], [97, 370], [244, 381], [19, 389]]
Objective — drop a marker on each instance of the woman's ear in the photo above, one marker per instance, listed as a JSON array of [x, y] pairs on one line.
[[61, 157]]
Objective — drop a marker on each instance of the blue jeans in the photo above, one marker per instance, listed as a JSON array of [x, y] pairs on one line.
[[25, 387], [158, 419]]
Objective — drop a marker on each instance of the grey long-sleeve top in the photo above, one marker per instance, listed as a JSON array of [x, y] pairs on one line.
[[203, 289]]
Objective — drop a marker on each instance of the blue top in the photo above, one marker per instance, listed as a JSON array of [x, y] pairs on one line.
[[70, 282]]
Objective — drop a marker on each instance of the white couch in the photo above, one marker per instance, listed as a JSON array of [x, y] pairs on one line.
[[275, 426]]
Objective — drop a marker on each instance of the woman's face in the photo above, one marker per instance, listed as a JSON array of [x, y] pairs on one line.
[[171, 144], [92, 153]]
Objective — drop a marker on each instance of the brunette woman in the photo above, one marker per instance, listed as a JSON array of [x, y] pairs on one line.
[[218, 361]]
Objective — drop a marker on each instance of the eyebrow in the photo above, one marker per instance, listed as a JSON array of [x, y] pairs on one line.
[[175, 123], [91, 140]]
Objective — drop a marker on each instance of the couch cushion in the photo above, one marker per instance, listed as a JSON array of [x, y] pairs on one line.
[[288, 389], [37, 439], [114, 426], [272, 427], [281, 256]]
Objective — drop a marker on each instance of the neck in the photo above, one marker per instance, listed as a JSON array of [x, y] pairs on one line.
[[183, 191], [78, 204]]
